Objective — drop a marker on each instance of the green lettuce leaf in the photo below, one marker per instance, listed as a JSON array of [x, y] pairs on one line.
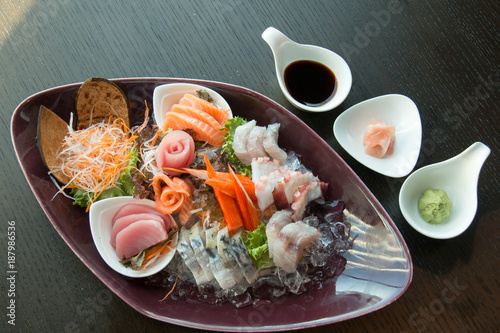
[[257, 246]]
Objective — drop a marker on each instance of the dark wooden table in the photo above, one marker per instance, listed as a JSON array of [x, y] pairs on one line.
[[443, 54]]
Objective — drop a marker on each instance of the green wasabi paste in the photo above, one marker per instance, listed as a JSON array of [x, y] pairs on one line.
[[434, 206]]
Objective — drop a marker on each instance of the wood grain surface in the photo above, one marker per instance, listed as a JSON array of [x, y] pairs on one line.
[[443, 54]]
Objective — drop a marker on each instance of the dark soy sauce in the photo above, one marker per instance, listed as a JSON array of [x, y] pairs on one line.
[[310, 83]]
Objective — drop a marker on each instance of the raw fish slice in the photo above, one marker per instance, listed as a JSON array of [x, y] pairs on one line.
[[134, 208], [265, 186], [263, 166], [227, 278], [271, 143], [297, 247], [139, 236], [274, 226], [294, 180], [286, 236], [197, 241], [189, 258], [240, 141], [196, 113], [243, 259], [255, 142], [173, 195], [220, 115], [127, 220], [280, 186], [305, 194], [203, 131], [379, 139], [224, 249]]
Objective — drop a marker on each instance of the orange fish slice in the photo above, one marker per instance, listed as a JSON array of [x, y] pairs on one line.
[[199, 103], [203, 131], [196, 113]]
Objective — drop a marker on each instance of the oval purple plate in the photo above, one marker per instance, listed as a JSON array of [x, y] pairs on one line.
[[379, 267]]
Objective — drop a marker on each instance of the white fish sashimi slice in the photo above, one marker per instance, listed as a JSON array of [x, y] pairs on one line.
[[243, 258], [274, 226], [226, 278], [240, 141], [138, 236], [189, 258], [197, 241], [271, 143], [297, 247], [285, 237], [255, 142]]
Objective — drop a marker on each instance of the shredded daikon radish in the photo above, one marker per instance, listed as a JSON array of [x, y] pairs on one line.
[[95, 157]]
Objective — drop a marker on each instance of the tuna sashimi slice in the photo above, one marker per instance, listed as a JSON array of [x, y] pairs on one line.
[[139, 236], [127, 220], [135, 208]]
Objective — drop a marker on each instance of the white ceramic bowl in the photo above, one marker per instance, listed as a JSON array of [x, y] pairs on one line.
[[286, 51], [458, 177], [101, 215], [166, 95], [398, 110]]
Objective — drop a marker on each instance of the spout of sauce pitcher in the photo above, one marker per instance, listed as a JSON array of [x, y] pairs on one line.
[[275, 39]]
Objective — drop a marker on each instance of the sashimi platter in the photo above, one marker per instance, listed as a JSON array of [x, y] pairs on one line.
[[208, 205]]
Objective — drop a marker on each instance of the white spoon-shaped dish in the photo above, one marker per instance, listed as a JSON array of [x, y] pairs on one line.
[[101, 215], [166, 95], [286, 51], [397, 110], [458, 177]]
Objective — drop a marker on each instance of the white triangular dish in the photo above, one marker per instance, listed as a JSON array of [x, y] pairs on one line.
[[394, 109]]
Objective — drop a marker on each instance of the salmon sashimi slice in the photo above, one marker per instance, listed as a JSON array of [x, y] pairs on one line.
[[191, 100], [379, 139], [196, 113], [203, 131]]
